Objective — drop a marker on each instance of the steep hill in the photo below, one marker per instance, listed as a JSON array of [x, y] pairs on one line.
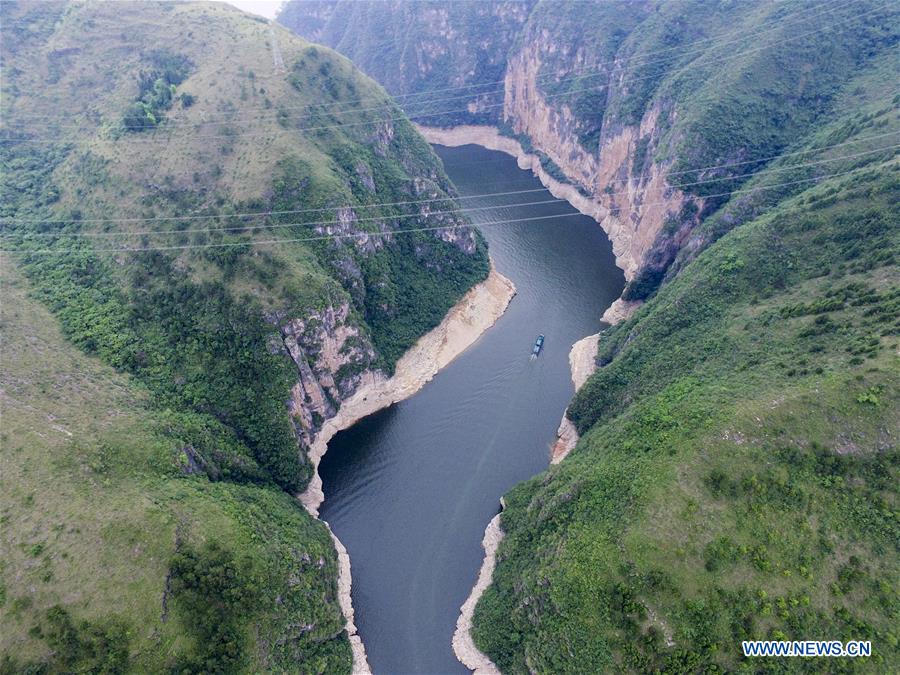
[[737, 475], [630, 102], [430, 55], [737, 472], [205, 205]]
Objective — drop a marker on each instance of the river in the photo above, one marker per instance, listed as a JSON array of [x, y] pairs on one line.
[[410, 490]]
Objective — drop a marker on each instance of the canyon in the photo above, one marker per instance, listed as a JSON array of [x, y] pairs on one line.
[[705, 142], [252, 331]]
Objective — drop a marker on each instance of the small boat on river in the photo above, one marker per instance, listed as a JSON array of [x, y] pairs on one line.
[[538, 345]]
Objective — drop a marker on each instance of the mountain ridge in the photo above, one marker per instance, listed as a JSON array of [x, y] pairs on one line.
[[215, 224]]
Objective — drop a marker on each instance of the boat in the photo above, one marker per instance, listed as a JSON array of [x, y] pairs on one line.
[[538, 344]]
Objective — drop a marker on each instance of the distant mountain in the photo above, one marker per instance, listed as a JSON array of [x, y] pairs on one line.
[[430, 54], [737, 472], [238, 228]]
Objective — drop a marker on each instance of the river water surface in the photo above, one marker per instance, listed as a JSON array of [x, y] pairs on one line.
[[410, 490]]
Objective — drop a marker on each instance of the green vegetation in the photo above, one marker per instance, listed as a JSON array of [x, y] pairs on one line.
[[737, 476], [153, 525], [157, 88], [102, 510], [216, 591]]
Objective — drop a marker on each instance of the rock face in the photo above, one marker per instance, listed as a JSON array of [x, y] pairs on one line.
[[331, 354], [513, 66], [613, 169], [457, 47]]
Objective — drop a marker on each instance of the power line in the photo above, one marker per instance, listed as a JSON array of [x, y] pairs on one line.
[[448, 198], [324, 223], [391, 218], [365, 235]]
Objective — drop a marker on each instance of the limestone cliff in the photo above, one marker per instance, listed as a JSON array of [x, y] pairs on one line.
[[655, 111], [330, 353], [537, 97], [636, 199]]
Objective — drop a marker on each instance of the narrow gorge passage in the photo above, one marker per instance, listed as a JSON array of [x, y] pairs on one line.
[[410, 490]]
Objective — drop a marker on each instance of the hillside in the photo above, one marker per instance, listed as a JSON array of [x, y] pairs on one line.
[[737, 474], [119, 553], [206, 209], [416, 49], [737, 471], [629, 102]]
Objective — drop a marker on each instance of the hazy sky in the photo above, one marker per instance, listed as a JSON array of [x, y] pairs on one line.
[[266, 8]]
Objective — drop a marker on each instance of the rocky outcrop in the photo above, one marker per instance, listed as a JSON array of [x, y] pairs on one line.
[[582, 364], [332, 354], [620, 310], [463, 645]]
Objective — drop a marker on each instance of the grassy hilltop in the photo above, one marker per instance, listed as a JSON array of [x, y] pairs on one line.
[[149, 457]]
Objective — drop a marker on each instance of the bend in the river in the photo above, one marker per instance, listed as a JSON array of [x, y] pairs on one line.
[[409, 490]]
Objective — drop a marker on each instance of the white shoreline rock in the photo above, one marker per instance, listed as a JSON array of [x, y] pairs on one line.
[[583, 363], [463, 644]]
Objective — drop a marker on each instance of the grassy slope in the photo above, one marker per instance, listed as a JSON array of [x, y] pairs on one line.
[[254, 138], [737, 475], [96, 503], [177, 474]]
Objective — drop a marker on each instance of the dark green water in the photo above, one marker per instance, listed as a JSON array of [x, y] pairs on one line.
[[410, 490]]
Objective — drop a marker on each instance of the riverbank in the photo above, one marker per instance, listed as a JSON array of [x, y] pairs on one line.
[[582, 357], [491, 138], [477, 311], [583, 363], [463, 644]]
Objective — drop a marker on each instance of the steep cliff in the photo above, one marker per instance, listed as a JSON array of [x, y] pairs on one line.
[[202, 203], [631, 102], [444, 61]]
